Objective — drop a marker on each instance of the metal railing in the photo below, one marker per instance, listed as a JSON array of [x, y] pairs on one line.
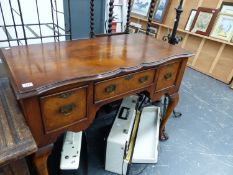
[[12, 29]]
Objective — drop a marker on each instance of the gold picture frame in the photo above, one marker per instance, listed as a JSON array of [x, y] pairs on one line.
[[223, 27]]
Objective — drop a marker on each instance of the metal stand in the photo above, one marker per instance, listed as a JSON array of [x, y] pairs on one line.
[[172, 38], [176, 114]]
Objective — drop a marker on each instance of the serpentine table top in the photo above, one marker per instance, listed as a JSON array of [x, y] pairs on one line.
[[36, 68]]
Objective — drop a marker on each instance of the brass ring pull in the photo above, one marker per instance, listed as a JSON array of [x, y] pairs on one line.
[[65, 95], [67, 109], [110, 88], [143, 79], [167, 75]]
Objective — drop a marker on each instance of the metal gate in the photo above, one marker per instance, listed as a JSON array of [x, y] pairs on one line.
[[24, 22]]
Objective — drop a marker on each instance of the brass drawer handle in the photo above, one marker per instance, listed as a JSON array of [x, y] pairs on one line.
[[65, 95], [110, 88], [128, 77], [143, 79], [67, 109], [167, 75]]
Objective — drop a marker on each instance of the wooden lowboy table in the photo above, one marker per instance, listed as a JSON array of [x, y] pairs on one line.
[[61, 86]]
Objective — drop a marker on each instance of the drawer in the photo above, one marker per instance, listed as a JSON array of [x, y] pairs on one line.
[[167, 75], [117, 86], [63, 109]]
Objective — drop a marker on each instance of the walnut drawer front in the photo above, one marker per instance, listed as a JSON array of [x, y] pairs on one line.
[[64, 109], [123, 84], [167, 75]]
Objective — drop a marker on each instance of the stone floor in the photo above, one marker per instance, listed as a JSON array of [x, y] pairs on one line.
[[200, 142]]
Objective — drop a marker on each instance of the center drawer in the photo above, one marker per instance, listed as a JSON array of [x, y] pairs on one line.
[[63, 109], [123, 84]]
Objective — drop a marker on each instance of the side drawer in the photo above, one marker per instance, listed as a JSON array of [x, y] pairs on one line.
[[167, 75], [63, 109], [123, 84]]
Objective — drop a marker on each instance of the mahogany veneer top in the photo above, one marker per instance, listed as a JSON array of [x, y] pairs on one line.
[[54, 64]]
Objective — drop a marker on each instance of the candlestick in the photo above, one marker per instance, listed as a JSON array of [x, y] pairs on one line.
[[172, 38]]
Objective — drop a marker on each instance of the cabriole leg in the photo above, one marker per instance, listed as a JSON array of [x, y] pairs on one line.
[[40, 159], [173, 100]]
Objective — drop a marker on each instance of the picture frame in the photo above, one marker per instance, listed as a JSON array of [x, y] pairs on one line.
[[144, 32], [160, 10], [141, 7], [227, 8], [190, 20], [223, 27], [133, 29], [204, 21]]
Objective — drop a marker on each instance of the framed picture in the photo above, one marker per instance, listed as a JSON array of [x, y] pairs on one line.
[[227, 8], [204, 20], [141, 7], [190, 20], [136, 25], [160, 10], [223, 28], [144, 32], [133, 29], [153, 31]]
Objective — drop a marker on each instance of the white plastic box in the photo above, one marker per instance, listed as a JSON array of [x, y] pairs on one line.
[[147, 141]]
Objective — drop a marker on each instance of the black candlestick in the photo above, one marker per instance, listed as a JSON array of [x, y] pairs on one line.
[[172, 38]]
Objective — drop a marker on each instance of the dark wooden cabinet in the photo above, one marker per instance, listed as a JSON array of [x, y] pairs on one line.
[[61, 86]]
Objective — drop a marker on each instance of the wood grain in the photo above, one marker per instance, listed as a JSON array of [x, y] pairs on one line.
[[16, 140], [224, 66], [57, 64], [123, 84], [75, 102], [207, 55], [18, 167]]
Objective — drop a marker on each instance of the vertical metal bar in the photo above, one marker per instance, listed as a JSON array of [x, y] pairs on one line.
[[70, 26], [4, 22], [53, 20], [38, 17], [13, 19], [55, 1], [21, 17]]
